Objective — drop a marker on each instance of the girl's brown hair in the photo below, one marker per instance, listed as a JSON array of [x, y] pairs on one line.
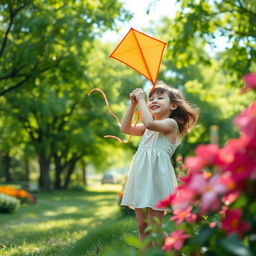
[[185, 114]]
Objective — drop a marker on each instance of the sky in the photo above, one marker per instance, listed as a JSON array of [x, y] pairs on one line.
[[140, 18], [139, 8]]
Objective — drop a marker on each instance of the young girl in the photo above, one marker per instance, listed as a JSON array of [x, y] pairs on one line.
[[165, 119]]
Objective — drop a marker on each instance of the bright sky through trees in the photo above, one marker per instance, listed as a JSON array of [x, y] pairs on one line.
[[141, 19], [146, 12]]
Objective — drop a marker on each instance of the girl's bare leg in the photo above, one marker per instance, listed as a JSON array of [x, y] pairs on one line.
[[141, 216], [155, 217]]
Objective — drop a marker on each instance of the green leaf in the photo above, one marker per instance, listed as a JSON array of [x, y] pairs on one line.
[[252, 243], [134, 241], [234, 245], [204, 234], [240, 202]]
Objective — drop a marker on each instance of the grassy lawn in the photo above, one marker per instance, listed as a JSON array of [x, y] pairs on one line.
[[67, 223]]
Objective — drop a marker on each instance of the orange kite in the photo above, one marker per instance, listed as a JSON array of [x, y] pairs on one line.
[[141, 52]]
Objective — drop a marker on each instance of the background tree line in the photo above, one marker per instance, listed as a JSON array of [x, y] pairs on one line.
[[51, 54]]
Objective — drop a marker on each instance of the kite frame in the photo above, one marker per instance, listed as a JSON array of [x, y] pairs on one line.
[[132, 29]]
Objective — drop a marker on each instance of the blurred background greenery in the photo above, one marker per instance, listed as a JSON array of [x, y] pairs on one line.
[[53, 52]]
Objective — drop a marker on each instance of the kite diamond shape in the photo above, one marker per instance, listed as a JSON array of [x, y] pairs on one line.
[[140, 52]]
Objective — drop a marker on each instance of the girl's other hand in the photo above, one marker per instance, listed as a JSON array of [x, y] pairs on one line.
[[133, 98]]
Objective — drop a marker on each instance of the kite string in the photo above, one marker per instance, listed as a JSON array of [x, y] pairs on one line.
[[117, 119], [106, 100]]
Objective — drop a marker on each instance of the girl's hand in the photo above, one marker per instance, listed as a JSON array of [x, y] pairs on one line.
[[139, 94], [133, 99]]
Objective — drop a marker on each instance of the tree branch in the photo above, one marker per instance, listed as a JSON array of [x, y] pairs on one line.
[[27, 77], [11, 88], [240, 8], [12, 16]]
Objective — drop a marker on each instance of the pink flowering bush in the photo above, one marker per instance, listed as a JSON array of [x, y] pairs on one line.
[[214, 206]]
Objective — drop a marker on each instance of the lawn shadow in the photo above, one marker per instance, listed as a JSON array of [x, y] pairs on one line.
[[108, 232], [74, 212]]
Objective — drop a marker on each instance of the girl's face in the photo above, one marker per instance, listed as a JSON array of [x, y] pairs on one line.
[[160, 105]]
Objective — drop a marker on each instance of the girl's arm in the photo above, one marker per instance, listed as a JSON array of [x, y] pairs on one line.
[[126, 124]]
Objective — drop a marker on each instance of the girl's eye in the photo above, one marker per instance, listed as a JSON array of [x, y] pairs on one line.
[[160, 98]]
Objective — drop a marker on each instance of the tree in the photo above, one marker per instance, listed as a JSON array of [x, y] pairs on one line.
[[206, 22], [52, 67], [67, 32]]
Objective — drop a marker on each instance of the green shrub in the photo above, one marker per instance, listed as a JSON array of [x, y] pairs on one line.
[[8, 203]]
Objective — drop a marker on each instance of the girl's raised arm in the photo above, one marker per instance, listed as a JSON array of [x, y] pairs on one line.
[[126, 124]]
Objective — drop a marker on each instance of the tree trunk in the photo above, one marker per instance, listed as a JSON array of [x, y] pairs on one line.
[[58, 171], [6, 167], [44, 179], [57, 180], [26, 167], [70, 170], [84, 176]]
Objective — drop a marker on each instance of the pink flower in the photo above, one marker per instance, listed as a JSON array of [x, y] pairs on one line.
[[232, 222], [228, 182], [246, 121], [223, 210], [181, 198], [230, 198], [175, 240], [209, 190], [212, 224], [181, 215], [194, 163], [166, 203], [250, 82], [179, 159], [184, 197], [242, 167], [199, 186], [226, 155], [207, 153]]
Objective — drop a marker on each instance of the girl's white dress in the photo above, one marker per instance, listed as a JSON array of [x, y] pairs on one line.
[[151, 177]]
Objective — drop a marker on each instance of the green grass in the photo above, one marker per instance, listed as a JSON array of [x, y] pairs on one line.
[[67, 223]]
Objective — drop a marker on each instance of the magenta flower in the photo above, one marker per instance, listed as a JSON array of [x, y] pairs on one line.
[[167, 202], [213, 224], [207, 153], [226, 155], [179, 159], [208, 189], [223, 210], [175, 240], [194, 163], [230, 198], [250, 82], [232, 222], [246, 121], [228, 182], [181, 215], [184, 197], [242, 167]]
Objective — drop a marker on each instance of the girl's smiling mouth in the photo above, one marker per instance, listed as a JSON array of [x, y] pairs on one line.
[[154, 107]]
